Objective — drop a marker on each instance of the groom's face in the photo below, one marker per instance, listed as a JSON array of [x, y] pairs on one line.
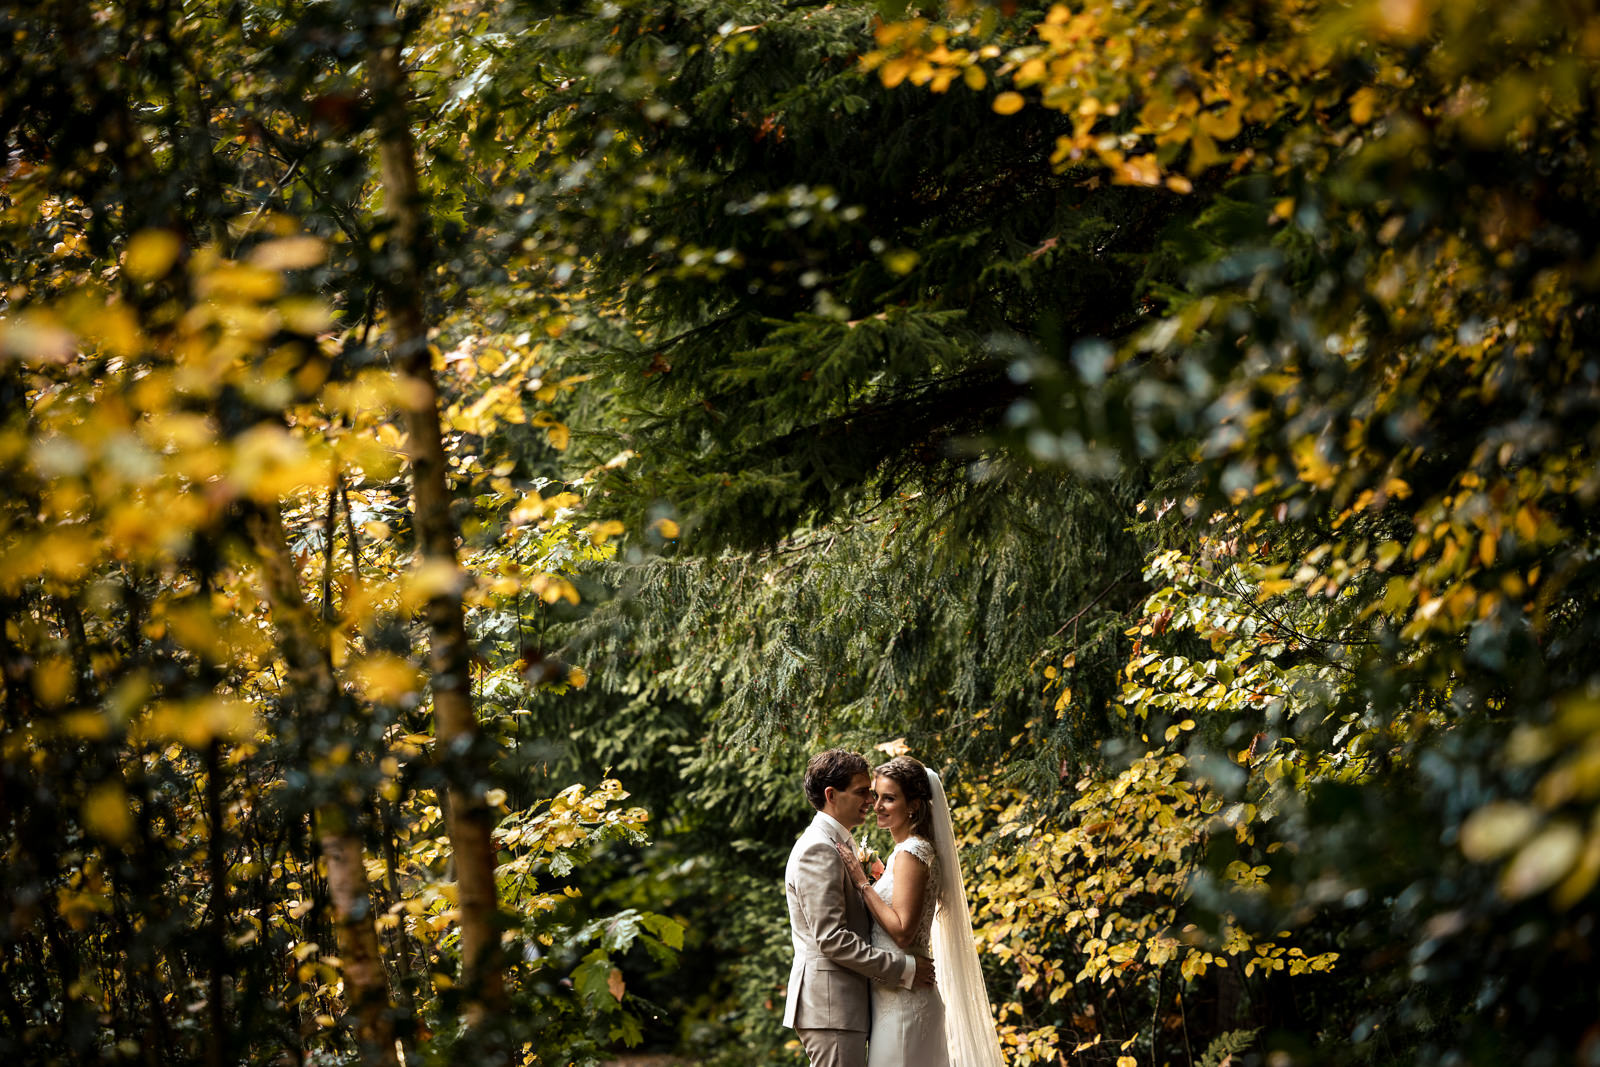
[[851, 805]]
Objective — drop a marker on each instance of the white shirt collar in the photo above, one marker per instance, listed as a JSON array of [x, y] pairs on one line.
[[835, 829]]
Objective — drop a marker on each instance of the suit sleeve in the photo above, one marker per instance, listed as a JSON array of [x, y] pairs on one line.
[[823, 909]]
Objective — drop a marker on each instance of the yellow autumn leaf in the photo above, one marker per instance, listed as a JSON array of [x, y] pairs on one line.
[[52, 681], [384, 678], [551, 588], [1222, 125], [601, 532], [1362, 105], [150, 254], [304, 314], [1543, 861], [1405, 20], [896, 71], [1397, 488], [1140, 170], [107, 813], [555, 430], [238, 282], [435, 577], [1008, 103], [114, 328], [196, 723], [893, 748], [666, 528], [80, 908], [901, 260], [1578, 883], [88, 725], [1527, 524], [289, 253], [270, 463]]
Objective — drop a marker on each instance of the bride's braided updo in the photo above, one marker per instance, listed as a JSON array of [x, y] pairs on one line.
[[912, 778]]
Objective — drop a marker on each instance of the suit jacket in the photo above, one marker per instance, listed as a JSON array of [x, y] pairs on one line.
[[833, 957]]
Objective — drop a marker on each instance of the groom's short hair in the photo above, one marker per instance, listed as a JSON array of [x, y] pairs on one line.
[[834, 769]]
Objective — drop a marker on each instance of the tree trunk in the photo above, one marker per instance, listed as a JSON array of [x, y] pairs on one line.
[[456, 725], [218, 1049], [311, 675], [10, 1008], [402, 949], [364, 973]]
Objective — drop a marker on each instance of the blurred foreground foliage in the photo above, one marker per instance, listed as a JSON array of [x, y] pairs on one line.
[[1177, 424]]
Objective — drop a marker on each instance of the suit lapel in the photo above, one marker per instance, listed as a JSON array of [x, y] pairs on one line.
[[856, 916]]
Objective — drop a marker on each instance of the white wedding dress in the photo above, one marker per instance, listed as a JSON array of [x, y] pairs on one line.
[[951, 1025], [908, 1024]]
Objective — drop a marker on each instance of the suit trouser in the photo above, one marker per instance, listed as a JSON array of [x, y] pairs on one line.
[[834, 1048]]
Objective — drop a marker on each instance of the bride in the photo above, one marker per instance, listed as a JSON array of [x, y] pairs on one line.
[[920, 906]]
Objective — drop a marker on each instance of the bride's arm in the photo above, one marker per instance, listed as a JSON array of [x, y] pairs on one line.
[[899, 917]]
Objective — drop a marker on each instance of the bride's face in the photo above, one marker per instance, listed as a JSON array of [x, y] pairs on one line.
[[890, 807]]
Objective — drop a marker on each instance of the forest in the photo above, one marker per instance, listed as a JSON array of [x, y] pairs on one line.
[[460, 458]]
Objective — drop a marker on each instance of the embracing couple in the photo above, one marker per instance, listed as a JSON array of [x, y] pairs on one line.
[[885, 974]]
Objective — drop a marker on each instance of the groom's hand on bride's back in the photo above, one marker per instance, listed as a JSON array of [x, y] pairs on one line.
[[924, 976]]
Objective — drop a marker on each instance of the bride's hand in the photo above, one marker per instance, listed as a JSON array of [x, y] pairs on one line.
[[852, 865]]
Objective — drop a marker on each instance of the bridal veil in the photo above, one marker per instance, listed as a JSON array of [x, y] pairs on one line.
[[969, 1025]]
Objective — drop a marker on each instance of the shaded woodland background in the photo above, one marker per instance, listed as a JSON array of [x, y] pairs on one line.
[[460, 458]]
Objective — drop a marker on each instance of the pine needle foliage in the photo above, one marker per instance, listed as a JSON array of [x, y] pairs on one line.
[[892, 624], [823, 281], [802, 297]]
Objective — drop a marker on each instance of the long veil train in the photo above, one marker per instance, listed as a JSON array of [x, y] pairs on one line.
[[969, 1023]]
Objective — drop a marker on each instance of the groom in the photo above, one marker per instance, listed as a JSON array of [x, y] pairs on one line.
[[833, 959]]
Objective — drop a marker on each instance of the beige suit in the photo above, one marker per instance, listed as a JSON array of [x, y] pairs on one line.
[[834, 961]]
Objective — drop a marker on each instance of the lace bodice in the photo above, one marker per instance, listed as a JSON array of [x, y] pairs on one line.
[[923, 850]]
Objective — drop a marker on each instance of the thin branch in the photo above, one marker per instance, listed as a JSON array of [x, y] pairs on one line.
[[1265, 616], [662, 346], [352, 541], [329, 527], [261, 208], [280, 151], [1118, 580]]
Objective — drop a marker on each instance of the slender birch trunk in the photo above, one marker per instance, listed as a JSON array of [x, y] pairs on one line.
[[456, 724], [311, 674]]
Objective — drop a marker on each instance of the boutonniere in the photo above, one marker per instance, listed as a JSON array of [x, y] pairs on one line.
[[869, 861]]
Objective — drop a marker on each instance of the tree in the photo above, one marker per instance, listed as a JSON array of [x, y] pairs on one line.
[[1373, 372], [1306, 372], [224, 768], [1175, 423]]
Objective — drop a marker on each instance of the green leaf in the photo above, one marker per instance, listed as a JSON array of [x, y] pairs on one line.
[[669, 930]]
